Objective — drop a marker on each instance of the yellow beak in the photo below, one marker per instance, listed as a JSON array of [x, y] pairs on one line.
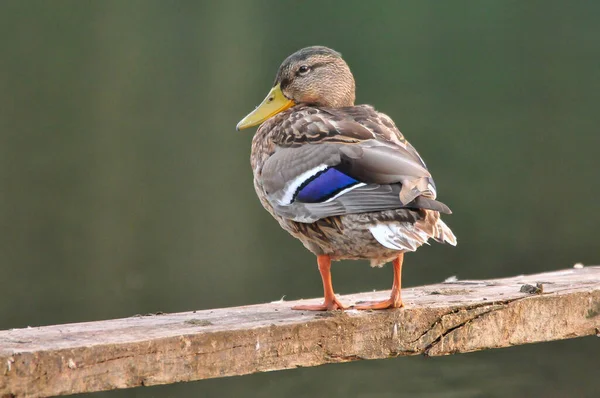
[[274, 103]]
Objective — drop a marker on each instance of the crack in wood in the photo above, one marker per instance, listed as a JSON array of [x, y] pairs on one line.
[[468, 320], [433, 329]]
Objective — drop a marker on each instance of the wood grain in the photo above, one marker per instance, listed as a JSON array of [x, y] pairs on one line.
[[440, 319]]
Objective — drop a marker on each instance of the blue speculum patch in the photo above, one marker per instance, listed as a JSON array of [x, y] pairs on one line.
[[323, 186]]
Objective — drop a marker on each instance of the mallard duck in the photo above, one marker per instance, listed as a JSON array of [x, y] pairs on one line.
[[340, 177]]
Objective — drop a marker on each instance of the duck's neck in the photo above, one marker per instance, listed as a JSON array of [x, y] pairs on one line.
[[341, 92]]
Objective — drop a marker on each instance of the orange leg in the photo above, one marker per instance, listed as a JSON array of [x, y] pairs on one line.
[[395, 300], [330, 303]]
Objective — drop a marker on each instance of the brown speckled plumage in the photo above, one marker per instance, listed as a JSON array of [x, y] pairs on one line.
[[346, 236]]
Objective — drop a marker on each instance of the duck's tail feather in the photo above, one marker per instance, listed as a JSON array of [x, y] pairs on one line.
[[443, 233]]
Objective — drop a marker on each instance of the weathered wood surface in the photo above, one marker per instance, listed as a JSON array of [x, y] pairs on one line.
[[440, 319]]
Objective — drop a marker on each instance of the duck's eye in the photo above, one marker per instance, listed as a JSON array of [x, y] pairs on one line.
[[303, 70]]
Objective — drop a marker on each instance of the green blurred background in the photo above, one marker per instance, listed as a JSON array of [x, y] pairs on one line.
[[125, 189]]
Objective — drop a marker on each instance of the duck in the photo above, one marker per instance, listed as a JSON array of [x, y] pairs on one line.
[[340, 177]]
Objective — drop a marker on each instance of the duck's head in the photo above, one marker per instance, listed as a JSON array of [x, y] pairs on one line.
[[315, 76]]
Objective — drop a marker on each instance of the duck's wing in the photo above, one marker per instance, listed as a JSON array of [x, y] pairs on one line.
[[344, 161]]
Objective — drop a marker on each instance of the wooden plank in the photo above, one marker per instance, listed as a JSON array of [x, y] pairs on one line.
[[440, 319]]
